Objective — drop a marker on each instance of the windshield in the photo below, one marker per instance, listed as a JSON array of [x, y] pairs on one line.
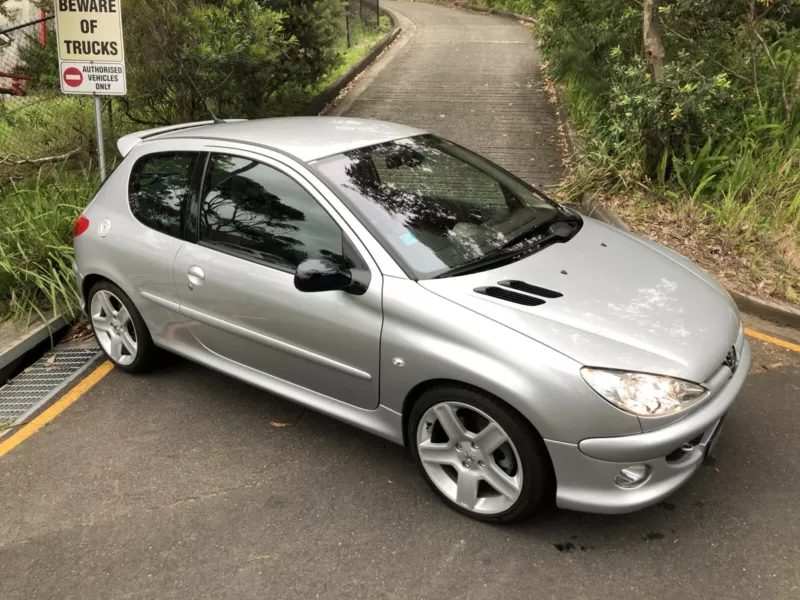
[[434, 204]]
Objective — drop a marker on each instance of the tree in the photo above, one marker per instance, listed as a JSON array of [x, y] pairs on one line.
[[240, 58], [653, 45], [188, 56], [317, 25]]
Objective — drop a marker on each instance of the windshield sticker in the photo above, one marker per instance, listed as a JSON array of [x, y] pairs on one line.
[[408, 238]]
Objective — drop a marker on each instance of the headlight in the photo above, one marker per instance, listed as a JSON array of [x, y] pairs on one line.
[[644, 395]]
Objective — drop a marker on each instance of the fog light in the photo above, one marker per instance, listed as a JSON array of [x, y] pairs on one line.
[[632, 476]]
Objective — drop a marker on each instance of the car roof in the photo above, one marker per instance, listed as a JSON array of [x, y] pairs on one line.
[[306, 138]]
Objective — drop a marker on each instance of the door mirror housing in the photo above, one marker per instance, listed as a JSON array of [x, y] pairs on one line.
[[320, 275]]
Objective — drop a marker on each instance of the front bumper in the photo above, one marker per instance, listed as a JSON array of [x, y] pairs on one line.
[[585, 472]]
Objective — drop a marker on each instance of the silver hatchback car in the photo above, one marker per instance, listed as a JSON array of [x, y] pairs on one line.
[[405, 285]]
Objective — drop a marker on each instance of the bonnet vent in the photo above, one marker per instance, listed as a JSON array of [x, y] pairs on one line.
[[509, 296], [521, 286]]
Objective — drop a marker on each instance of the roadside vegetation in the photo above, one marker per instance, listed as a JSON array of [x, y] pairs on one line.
[[236, 58], [36, 219], [689, 114]]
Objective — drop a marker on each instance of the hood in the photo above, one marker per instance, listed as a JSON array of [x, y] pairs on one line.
[[625, 303]]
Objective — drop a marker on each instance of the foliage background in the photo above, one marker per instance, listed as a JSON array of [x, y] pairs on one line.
[[238, 58], [704, 157]]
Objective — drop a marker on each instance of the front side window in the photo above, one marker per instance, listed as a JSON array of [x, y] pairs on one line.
[[434, 204], [158, 188], [258, 212]]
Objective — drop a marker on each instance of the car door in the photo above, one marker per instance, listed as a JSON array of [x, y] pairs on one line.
[[143, 250], [257, 220]]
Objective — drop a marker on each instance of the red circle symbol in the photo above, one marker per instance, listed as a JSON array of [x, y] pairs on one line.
[[73, 77]]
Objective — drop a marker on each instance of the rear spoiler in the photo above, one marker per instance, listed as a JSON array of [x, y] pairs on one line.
[[129, 142]]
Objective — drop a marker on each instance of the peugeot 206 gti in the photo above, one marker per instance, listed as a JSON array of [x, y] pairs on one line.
[[399, 282]]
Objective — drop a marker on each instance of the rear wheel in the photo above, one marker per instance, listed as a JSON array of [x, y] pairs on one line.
[[479, 454], [119, 328]]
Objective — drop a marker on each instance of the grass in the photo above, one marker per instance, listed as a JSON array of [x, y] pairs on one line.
[[36, 220], [362, 41], [733, 209], [33, 127]]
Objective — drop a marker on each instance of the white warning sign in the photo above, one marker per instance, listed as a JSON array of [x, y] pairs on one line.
[[93, 78], [90, 49]]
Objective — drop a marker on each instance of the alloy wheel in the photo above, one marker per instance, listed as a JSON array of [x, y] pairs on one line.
[[469, 457], [113, 327]]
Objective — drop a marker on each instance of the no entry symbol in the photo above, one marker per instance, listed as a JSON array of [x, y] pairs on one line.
[[73, 77]]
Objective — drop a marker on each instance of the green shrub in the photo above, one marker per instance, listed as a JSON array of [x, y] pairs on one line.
[[36, 222], [715, 135], [317, 26], [225, 53]]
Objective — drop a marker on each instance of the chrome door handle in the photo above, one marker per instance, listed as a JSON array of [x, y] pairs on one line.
[[196, 276]]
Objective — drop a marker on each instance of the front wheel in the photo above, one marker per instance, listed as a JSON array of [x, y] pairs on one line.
[[479, 454]]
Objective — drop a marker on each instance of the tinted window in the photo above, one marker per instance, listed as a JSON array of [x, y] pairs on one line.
[[434, 204], [257, 211], [158, 187]]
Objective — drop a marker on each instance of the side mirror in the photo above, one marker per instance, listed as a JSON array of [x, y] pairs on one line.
[[320, 275]]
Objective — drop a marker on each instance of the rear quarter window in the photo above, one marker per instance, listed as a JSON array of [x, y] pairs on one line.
[[158, 190]]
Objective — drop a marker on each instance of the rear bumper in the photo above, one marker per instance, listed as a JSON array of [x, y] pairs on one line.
[[585, 472], [79, 279]]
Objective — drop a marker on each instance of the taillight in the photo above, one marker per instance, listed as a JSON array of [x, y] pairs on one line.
[[81, 225]]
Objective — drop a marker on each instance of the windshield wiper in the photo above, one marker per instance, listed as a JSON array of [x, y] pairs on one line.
[[559, 225], [556, 232]]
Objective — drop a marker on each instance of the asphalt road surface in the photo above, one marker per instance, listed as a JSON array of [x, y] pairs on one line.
[[187, 484]]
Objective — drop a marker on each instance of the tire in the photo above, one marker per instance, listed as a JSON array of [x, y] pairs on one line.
[[522, 457], [124, 318]]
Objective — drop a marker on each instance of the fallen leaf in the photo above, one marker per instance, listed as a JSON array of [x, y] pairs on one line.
[[773, 366], [279, 424], [251, 559]]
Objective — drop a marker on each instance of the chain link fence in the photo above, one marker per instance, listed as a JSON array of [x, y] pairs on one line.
[[361, 15], [38, 124]]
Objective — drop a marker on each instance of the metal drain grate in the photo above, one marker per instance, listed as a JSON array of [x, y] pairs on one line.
[[21, 396]]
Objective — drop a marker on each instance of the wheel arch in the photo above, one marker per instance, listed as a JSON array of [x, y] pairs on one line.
[[418, 390], [95, 273], [89, 281]]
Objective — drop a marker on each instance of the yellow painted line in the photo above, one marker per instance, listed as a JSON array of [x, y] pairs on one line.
[[770, 340], [84, 386], [55, 409]]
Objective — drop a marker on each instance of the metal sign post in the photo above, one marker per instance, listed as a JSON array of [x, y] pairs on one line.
[[101, 151], [91, 56]]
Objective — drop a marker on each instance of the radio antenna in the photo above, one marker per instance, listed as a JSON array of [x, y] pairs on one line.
[[216, 119]]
